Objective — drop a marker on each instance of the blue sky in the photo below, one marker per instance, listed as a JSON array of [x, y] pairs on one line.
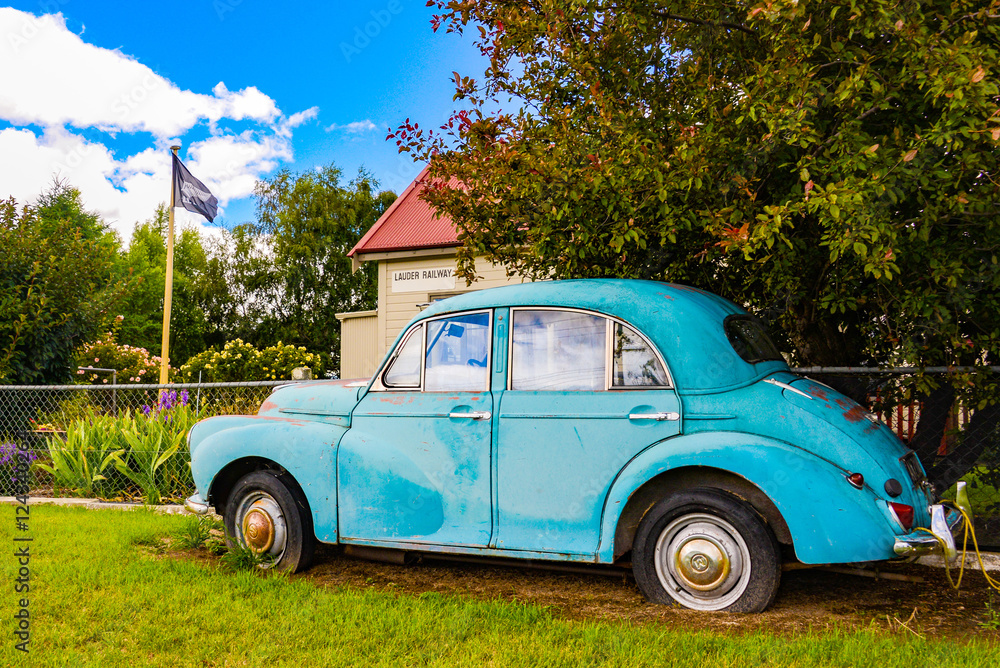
[[96, 91]]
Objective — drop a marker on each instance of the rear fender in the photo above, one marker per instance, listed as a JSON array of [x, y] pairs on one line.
[[829, 520]]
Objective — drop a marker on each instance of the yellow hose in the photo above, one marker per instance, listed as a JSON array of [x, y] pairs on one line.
[[969, 530]]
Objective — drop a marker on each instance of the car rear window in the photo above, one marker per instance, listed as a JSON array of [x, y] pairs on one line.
[[749, 338]]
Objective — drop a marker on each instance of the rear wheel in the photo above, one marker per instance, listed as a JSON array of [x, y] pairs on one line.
[[706, 550], [267, 513]]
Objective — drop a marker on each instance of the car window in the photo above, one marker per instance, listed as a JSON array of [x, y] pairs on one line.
[[457, 354], [635, 363], [558, 350], [749, 338], [404, 370]]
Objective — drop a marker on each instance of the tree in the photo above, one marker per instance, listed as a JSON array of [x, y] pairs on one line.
[[238, 286], [57, 290], [312, 221], [146, 259], [833, 164]]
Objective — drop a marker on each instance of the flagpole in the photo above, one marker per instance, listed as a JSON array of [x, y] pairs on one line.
[[168, 287]]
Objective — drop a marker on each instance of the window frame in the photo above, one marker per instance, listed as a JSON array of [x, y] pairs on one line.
[[387, 367], [609, 333], [380, 384]]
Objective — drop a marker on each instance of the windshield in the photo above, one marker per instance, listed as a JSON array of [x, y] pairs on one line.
[[749, 338]]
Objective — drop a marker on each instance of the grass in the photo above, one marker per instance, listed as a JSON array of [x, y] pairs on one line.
[[195, 531], [105, 594]]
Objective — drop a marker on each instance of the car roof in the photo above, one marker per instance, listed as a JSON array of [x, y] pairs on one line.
[[684, 323]]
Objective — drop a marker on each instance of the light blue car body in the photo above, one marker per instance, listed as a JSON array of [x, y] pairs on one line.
[[569, 475]]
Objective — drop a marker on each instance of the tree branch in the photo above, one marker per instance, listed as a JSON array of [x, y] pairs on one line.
[[700, 22]]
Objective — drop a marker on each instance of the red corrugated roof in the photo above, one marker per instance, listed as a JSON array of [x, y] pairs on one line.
[[408, 224]]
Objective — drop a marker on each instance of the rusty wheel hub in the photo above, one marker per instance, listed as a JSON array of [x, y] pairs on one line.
[[258, 530], [262, 526]]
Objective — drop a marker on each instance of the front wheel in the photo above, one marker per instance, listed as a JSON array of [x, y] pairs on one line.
[[706, 550], [267, 513]]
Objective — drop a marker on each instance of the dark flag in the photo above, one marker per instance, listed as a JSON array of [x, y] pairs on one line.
[[191, 193]]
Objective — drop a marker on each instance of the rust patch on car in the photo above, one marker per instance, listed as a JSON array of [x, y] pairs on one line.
[[852, 411], [395, 399], [268, 405], [819, 392]]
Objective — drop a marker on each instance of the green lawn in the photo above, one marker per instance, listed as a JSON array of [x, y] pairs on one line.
[[100, 598]]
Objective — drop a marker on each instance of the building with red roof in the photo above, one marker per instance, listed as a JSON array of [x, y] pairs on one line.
[[416, 254]]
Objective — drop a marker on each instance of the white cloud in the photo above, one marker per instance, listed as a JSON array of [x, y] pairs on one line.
[[53, 80], [356, 127]]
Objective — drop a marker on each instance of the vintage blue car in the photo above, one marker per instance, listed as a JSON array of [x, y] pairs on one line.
[[601, 421]]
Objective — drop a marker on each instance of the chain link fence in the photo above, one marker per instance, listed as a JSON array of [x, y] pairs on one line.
[[114, 442], [127, 442]]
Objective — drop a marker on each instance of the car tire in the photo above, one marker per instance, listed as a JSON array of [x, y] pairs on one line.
[[268, 513], [706, 550]]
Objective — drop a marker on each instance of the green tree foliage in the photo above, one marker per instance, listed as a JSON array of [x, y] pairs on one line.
[[238, 286], [146, 259], [833, 163], [311, 221], [57, 287]]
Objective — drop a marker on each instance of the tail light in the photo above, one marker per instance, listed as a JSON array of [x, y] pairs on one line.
[[903, 514], [857, 480]]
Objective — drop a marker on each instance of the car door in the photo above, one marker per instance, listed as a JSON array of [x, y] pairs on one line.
[[585, 394], [415, 466]]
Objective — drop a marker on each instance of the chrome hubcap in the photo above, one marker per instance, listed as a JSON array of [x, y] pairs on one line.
[[702, 561], [702, 564], [262, 525]]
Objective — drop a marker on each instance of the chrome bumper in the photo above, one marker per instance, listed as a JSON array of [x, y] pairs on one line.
[[196, 504], [919, 543]]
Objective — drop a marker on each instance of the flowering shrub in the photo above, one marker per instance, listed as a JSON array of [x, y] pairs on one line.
[[278, 361], [240, 361], [134, 365], [9, 458]]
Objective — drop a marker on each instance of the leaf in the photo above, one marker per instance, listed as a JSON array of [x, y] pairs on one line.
[[804, 174], [978, 74], [872, 148], [910, 155]]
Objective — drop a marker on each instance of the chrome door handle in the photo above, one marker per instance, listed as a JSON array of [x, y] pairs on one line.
[[659, 417], [475, 415]]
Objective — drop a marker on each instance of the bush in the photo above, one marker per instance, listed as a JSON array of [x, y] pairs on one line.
[[134, 365], [239, 361]]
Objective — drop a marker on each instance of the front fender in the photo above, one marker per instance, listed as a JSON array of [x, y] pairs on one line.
[[829, 520], [306, 449]]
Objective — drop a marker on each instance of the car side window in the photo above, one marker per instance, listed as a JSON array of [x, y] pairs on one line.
[[404, 370], [457, 358], [635, 362], [558, 350]]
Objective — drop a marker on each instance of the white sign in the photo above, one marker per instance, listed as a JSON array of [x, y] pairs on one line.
[[423, 280]]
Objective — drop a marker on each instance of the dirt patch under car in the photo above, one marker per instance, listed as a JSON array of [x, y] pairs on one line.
[[809, 599]]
